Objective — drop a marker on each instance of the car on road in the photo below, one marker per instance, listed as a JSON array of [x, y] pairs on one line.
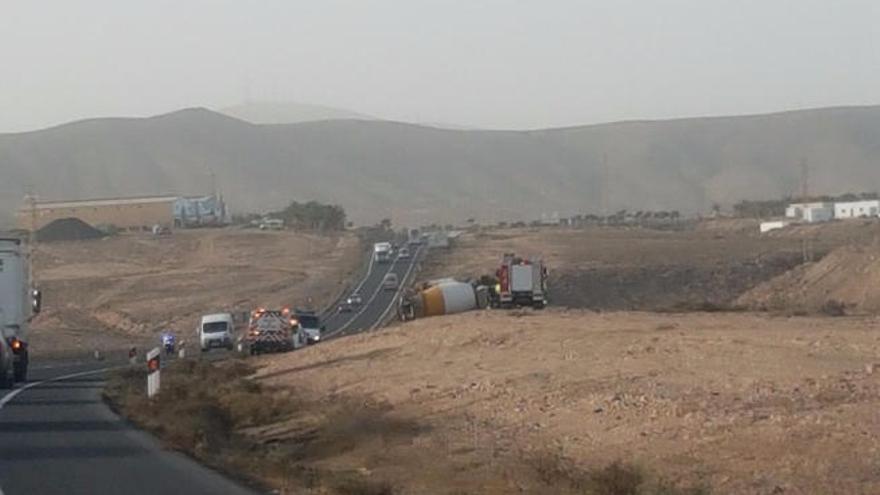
[[404, 253], [390, 282], [351, 303], [311, 325], [216, 331]]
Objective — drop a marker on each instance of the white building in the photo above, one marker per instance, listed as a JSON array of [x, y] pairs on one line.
[[857, 209], [810, 212]]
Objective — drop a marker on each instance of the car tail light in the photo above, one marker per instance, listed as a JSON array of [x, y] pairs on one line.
[[16, 344]]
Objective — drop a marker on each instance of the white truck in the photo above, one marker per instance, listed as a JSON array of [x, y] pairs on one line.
[[19, 303], [382, 252]]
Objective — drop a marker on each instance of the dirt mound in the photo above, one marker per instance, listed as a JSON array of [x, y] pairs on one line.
[[847, 279], [68, 229]]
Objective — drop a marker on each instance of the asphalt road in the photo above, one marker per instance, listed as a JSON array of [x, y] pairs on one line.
[[58, 436], [378, 302]]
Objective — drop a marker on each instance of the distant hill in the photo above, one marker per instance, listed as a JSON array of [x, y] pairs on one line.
[[418, 174], [268, 112]]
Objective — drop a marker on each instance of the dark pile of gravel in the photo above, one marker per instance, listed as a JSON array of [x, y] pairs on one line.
[[68, 229]]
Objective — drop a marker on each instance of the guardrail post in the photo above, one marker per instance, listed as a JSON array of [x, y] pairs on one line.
[[153, 371]]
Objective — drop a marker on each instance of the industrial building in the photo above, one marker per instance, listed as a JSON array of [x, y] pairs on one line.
[[135, 213], [122, 213], [810, 212]]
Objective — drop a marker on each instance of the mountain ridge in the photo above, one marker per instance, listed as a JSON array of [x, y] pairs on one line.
[[421, 174]]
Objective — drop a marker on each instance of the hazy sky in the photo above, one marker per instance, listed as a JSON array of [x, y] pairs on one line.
[[485, 63]]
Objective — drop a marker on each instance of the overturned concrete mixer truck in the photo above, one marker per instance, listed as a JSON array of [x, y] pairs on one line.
[[442, 297]]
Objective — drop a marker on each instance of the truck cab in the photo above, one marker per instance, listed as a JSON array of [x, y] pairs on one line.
[[382, 252], [216, 331], [19, 303], [272, 331]]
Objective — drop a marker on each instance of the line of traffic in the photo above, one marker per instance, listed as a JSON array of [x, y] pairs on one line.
[[399, 290], [365, 306]]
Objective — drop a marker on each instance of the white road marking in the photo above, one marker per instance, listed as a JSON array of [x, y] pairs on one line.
[[334, 310], [399, 291], [365, 306], [11, 395]]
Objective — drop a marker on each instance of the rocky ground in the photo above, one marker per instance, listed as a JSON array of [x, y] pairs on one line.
[[497, 402]]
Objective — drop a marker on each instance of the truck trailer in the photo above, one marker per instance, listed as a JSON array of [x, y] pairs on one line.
[[19, 303]]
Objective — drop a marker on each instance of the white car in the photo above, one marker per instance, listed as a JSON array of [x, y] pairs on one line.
[[216, 331], [404, 254], [390, 282]]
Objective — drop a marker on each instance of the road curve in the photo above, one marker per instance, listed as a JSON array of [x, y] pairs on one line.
[[378, 302], [58, 436]]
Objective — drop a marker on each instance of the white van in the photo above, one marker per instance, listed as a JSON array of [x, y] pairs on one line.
[[216, 330]]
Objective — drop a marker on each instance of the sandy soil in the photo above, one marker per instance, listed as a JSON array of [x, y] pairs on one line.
[[643, 269], [845, 281], [748, 404], [129, 287]]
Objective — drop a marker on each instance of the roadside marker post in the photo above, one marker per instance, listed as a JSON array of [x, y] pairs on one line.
[[153, 371]]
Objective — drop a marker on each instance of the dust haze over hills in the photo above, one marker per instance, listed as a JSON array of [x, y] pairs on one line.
[[417, 174], [266, 112]]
